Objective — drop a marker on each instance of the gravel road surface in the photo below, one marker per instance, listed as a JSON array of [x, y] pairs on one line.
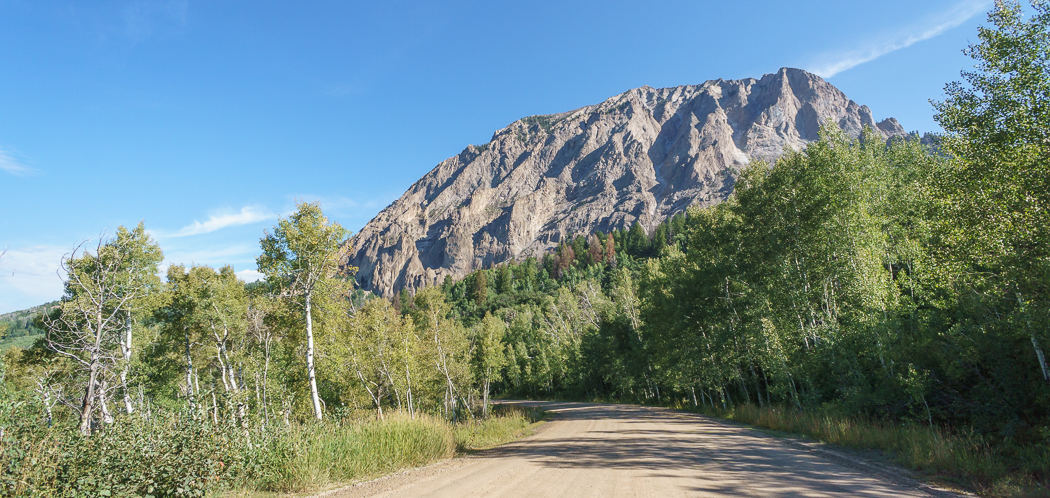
[[606, 450]]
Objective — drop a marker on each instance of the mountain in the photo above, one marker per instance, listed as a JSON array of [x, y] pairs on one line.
[[640, 156]]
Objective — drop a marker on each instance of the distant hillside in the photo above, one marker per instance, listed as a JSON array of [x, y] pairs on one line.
[[17, 328], [638, 157]]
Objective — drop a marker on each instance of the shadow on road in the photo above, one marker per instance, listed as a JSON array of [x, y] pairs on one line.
[[713, 457]]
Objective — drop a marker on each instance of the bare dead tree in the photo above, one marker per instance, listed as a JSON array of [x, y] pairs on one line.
[[89, 327]]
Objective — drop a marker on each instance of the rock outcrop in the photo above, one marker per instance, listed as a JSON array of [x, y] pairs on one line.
[[640, 156]]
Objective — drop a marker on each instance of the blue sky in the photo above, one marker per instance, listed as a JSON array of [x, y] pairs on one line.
[[207, 120]]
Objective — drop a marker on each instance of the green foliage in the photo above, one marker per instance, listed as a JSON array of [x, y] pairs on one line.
[[302, 251], [993, 199], [481, 288], [92, 329], [166, 456], [177, 455], [301, 257], [867, 293]]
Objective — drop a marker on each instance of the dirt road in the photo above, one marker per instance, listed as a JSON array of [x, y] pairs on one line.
[[624, 450]]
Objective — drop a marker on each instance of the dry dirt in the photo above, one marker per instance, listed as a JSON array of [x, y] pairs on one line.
[[624, 450]]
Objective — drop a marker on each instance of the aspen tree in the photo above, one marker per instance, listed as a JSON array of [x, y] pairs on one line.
[[301, 257], [489, 358], [995, 195], [91, 325]]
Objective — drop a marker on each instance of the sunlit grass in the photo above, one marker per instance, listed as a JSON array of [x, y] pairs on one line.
[[506, 424], [315, 455], [311, 457]]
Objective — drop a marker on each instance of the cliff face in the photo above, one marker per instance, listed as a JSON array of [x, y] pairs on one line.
[[640, 156]]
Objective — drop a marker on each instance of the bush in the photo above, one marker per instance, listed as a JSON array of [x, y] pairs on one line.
[[171, 453], [165, 456]]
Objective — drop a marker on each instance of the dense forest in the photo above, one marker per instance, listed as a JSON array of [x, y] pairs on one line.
[[903, 282]]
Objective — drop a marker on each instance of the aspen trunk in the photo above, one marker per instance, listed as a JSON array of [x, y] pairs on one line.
[[258, 398], [743, 387], [107, 417], [47, 406], [765, 378], [125, 347], [266, 371], [408, 390], [87, 406], [189, 373], [222, 370], [379, 401], [485, 402], [758, 390], [1042, 358], [310, 360]]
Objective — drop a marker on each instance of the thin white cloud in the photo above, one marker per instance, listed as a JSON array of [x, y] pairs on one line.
[[340, 207], [248, 215], [217, 256], [11, 165], [832, 63], [249, 276], [28, 276]]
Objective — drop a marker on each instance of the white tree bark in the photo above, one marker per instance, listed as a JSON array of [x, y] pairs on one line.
[[1042, 358], [311, 373], [125, 349], [189, 373]]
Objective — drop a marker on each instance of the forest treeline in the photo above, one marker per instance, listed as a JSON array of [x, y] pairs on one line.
[[894, 281]]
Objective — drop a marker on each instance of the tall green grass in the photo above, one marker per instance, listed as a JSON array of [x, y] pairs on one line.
[[312, 456], [994, 468], [506, 424]]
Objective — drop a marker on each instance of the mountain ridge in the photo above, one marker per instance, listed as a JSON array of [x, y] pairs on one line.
[[640, 156]]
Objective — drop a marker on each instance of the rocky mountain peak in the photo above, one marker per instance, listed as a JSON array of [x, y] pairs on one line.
[[640, 156]]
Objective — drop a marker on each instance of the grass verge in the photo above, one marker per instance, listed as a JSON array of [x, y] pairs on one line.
[[965, 459], [310, 458], [505, 424]]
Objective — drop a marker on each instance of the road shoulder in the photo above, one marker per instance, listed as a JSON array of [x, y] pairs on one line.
[[874, 462]]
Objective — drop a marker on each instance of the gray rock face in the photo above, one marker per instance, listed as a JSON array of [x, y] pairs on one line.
[[641, 156]]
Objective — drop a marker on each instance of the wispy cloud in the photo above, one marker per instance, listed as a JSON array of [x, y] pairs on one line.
[[248, 214], [29, 276], [832, 63], [343, 208], [211, 255], [238, 256], [11, 165]]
